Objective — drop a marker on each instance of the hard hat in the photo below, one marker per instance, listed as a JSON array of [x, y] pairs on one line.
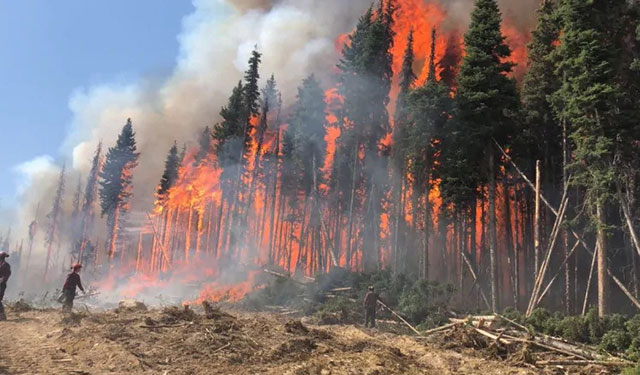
[[370, 287], [3, 254], [76, 266]]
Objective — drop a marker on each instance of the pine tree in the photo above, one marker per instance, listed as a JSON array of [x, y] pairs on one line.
[[541, 137], [170, 175], [205, 146], [486, 97], [430, 110], [307, 127], [251, 89], [54, 220], [229, 133], [88, 214], [401, 146], [366, 72], [115, 183], [587, 101]]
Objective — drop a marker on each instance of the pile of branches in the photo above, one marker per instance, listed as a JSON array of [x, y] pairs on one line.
[[508, 339]]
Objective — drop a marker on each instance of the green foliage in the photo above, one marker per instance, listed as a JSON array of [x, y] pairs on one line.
[[615, 341], [115, 177], [631, 371], [541, 135], [170, 175], [281, 292], [306, 132], [486, 102], [426, 302]]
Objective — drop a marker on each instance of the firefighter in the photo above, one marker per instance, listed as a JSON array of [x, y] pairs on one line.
[[5, 272], [69, 288], [370, 304]]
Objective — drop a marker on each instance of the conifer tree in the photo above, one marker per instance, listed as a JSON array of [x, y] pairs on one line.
[[486, 97], [541, 137], [587, 101], [307, 127], [170, 175], [205, 146], [88, 202], [366, 71], [430, 109], [115, 183], [400, 149], [54, 220]]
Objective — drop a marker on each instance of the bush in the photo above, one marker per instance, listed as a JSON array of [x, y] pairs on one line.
[[615, 341], [281, 292], [631, 371], [573, 328], [426, 302], [538, 319]]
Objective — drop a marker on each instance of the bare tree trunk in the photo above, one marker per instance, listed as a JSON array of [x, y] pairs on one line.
[[603, 280], [493, 242], [565, 237], [586, 293], [536, 223], [509, 233]]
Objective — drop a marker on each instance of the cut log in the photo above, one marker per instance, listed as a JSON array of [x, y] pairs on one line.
[[493, 337], [568, 362], [441, 328]]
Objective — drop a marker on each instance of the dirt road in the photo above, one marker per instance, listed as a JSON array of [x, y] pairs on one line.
[[175, 341]]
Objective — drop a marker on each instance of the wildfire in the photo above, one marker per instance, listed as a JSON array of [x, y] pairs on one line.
[[244, 214]]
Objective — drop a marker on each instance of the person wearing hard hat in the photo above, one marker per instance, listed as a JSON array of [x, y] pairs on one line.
[[370, 304], [5, 272], [69, 288]]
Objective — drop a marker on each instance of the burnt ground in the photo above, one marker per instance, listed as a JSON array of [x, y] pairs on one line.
[[177, 341]]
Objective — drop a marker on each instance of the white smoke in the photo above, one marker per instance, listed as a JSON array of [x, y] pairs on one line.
[[296, 38]]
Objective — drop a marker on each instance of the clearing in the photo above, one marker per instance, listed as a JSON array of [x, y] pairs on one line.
[[175, 340]]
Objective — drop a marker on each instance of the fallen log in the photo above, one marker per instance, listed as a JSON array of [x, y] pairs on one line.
[[543, 346], [346, 289], [581, 362], [441, 328], [497, 338], [512, 322], [401, 318]]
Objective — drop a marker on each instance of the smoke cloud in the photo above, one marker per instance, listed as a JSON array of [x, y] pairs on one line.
[[296, 37]]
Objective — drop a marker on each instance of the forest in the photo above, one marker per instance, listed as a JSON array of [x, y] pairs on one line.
[[519, 190]]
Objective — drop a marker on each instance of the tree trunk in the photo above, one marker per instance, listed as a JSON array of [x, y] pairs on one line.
[[493, 242], [536, 223], [603, 280], [425, 249], [351, 203], [509, 233]]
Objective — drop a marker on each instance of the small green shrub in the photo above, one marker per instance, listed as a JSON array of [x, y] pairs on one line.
[[538, 318], [631, 371]]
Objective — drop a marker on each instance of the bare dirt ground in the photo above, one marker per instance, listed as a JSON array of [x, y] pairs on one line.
[[174, 341]]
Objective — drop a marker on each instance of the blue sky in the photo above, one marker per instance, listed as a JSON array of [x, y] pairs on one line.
[[50, 48]]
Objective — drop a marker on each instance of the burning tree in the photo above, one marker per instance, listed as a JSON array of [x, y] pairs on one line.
[[115, 183]]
